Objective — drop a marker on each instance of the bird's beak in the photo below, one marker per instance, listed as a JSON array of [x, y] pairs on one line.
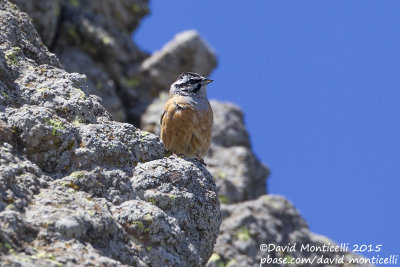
[[206, 81]]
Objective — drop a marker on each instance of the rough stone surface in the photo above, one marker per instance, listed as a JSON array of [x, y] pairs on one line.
[[78, 189], [94, 38], [267, 220], [98, 80], [45, 15]]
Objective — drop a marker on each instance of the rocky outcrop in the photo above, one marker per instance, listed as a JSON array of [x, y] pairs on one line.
[[95, 38], [250, 217], [272, 221], [79, 189]]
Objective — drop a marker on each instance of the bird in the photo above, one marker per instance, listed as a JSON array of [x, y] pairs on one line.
[[187, 119]]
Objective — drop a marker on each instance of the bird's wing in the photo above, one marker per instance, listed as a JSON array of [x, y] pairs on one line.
[[162, 116], [202, 133], [176, 126]]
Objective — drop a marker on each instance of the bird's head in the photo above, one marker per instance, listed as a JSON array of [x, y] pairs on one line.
[[190, 84]]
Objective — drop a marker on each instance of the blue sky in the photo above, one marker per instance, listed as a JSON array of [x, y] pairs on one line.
[[319, 82]]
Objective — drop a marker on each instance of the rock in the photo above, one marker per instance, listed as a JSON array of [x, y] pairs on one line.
[[98, 81], [6, 134], [239, 175], [76, 187], [266, 220], [123, 14], [150, 120], [45, 15], [14, 230], [92, 38], [20, 179], [182, 230], [20, 42], [95, 39], [229, 129]]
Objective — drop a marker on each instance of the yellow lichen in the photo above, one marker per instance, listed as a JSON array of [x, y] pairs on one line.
[[56, 124], [243, 234], [11, 58]]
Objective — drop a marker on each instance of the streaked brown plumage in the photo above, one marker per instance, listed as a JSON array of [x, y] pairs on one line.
[[186, 123]]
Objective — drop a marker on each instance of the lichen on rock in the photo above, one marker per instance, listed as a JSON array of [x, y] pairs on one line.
[[77, 188]]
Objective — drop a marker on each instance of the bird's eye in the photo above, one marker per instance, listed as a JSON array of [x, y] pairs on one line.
[[197, 88]]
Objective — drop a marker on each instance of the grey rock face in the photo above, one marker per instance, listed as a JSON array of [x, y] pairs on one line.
[[267, 220], [45, 15], [185, 195], [94, 38], [239, 175], [237, 172], [79, 189], [229, 129], [98, 81], [20, 179], [150, 120]]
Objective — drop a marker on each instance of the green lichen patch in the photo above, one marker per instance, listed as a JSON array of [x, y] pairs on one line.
[[214, 257], [143, 135], [219, 174], [11, 58], [46, 224], [90, 212], [138, 224], [74, 3], [77, 121], [106, 40], [73, 33], [56, 124], [219, 262], [131, 82], [42, 89], [153, 201], [289, 258], [99, 86], [57, 11], [148, 218], [69, 184], [4, 94], [223, 199], [17, 50], [243, 234], [78, 174], [136, 8]]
